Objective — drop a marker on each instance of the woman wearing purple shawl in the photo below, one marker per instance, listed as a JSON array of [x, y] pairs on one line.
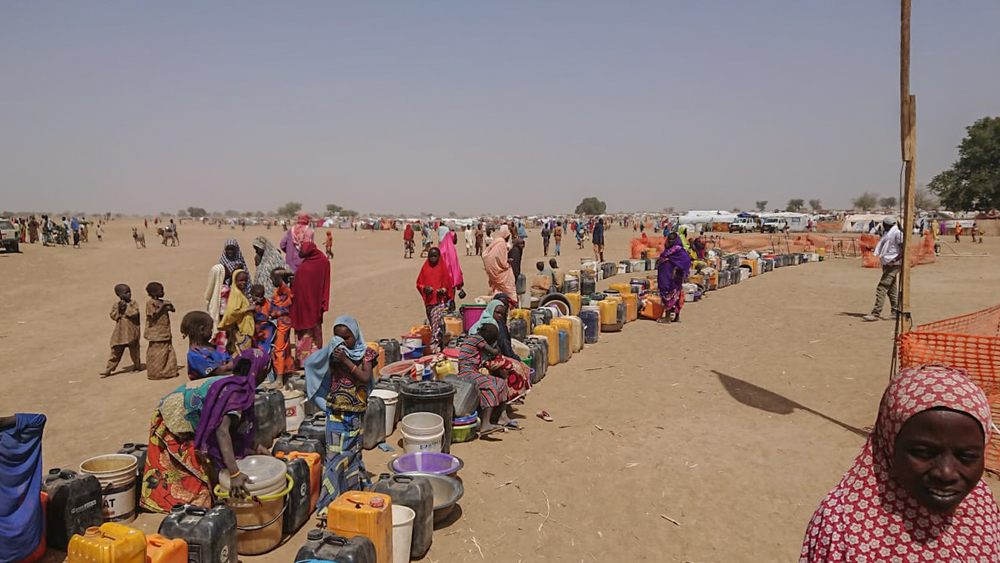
[[203, 425], [672, 269]]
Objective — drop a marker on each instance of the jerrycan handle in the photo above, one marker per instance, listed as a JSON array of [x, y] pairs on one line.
[[402, 478], [333, 539]]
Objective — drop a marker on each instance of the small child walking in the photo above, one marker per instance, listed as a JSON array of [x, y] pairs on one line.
[[203, 360], [263, 333], [125, 313], [279, 309], [161, 360]]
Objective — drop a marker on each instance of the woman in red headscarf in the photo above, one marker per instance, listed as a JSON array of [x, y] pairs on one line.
[[408, 241], [310, 299], [435, 286]]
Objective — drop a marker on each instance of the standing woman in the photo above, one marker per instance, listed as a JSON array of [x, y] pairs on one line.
[[449, 255], [408, 241], [435, 286], [267, 259], [672, 269], [232, 259], [915, 492], [295, 238], [310, 299], [498, 269], [339, 379]]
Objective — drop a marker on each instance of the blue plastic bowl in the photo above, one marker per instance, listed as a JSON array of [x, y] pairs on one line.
[[464, 420]]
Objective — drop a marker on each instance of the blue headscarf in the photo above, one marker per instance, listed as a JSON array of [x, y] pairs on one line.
[[503, 338], [486, 318], [442, 231], [317, 365]]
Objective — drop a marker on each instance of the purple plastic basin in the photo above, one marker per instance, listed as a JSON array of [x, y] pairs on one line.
[[427, 462]]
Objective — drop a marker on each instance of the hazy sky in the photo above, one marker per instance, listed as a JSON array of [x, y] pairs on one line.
[[513, 107]]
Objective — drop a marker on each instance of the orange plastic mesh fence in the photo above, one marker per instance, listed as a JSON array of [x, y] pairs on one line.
[[923, 253], [970, 342]]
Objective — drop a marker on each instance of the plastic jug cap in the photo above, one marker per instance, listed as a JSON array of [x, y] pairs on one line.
[[177, 508], [377, 502], [314, 535]]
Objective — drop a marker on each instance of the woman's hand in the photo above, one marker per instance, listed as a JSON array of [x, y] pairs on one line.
[[442, 291], [428, 289], [238, 486], [261, 450], [340, 355]]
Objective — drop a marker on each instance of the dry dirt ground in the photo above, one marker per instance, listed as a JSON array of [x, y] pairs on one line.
[[733, 424]]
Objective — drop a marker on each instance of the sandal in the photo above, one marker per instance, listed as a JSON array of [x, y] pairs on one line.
[[513, 425], [492, 430], [544, 416]]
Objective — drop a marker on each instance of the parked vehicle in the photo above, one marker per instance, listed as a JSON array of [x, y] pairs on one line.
[[773, 226], [744, 225], [9, 238]]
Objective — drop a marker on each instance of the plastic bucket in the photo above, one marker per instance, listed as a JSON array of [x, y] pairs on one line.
[[390, 398], [295, 411], [422, 424], [470, 315], [402, 532], [417, 444], [116, 474], [259, 520]]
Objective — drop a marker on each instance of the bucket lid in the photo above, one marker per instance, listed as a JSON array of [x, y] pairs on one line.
[[431, 389], [267, 474], [386, 395]]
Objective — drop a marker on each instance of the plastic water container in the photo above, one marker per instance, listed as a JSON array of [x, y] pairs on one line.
[[402, 533], [299, 505], [315, 464], [453, 325], [390, 399], [259, 520], [434, 397], [295, 411], [269, 416], [164, 550], [374, 424], [565, 325], [358, 513], [417, 495], [139, 450], [423, 432], [322, 545], [210, 533], [564, 349], [520, 284], [466, 398], [518, 329], [470, 315], [552, 334], [116, 474], [631, 306], [620, 288], [540, 357], [591, 325], [288, 443], [391, 348], [576, 335], [111, 543], [609, 316]]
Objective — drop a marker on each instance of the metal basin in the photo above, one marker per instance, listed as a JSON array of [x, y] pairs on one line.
[[447, 492]]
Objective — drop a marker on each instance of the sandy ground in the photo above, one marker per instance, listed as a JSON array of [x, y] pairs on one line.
[[734, 423]]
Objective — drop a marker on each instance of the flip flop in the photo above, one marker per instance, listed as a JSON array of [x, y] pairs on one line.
[[493, 430], [544, 415], [513, 425]]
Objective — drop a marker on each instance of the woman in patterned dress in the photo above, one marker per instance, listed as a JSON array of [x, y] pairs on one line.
[[915, 492]]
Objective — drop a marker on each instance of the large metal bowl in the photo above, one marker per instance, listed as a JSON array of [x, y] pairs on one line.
[[447, 492]]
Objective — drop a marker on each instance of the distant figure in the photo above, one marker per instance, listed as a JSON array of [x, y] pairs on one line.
[[598, 238], [470, 240], [958, 232], [480, 236], [125, 313], [546, 235], [557, 235], [161, 360], [890, 253], [329, 244]]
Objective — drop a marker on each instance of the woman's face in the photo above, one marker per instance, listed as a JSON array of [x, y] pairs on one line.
[[230, 252], [434, 256], [259, 255], [500, 314], [345, 333], [939, 457]]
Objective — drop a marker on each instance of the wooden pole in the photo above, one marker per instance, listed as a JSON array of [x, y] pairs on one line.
[[908, 142]]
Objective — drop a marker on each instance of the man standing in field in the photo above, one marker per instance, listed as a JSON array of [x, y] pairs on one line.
[[890, 253]]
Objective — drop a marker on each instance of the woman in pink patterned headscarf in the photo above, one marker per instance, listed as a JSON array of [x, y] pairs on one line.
[[293, 239], [915, 492]]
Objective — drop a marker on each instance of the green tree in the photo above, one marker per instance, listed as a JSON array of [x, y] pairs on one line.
[[591, 206], [761, 205], [289, 209], [973, 181], [816, 205], [197, 212], [795, 205], [182, 213], [925, 200], [865, 201], [349, 213], [887, 202], [333, 209]]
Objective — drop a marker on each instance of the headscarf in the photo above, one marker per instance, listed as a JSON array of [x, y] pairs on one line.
[[869, 515], [449, 255], [317, 365], [232, 265], [311, 288], [672, 258], [408, 232], [682, 233], [301, 231], [236, 306], [486, 318], [271, 259], [437, 277], [442, 231], [233, 393]]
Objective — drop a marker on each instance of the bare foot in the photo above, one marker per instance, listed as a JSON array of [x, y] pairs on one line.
[[105, 373]]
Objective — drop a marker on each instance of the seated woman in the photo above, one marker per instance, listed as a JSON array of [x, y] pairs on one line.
[[500, 379], [199, 428], [915, 492], [338, 379]]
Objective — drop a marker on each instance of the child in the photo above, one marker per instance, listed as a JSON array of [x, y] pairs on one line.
[[329, 244], [263, 334], [279, 308], [203, 359], [237, 321], [100, 232], [125, 313], [161, 360]]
